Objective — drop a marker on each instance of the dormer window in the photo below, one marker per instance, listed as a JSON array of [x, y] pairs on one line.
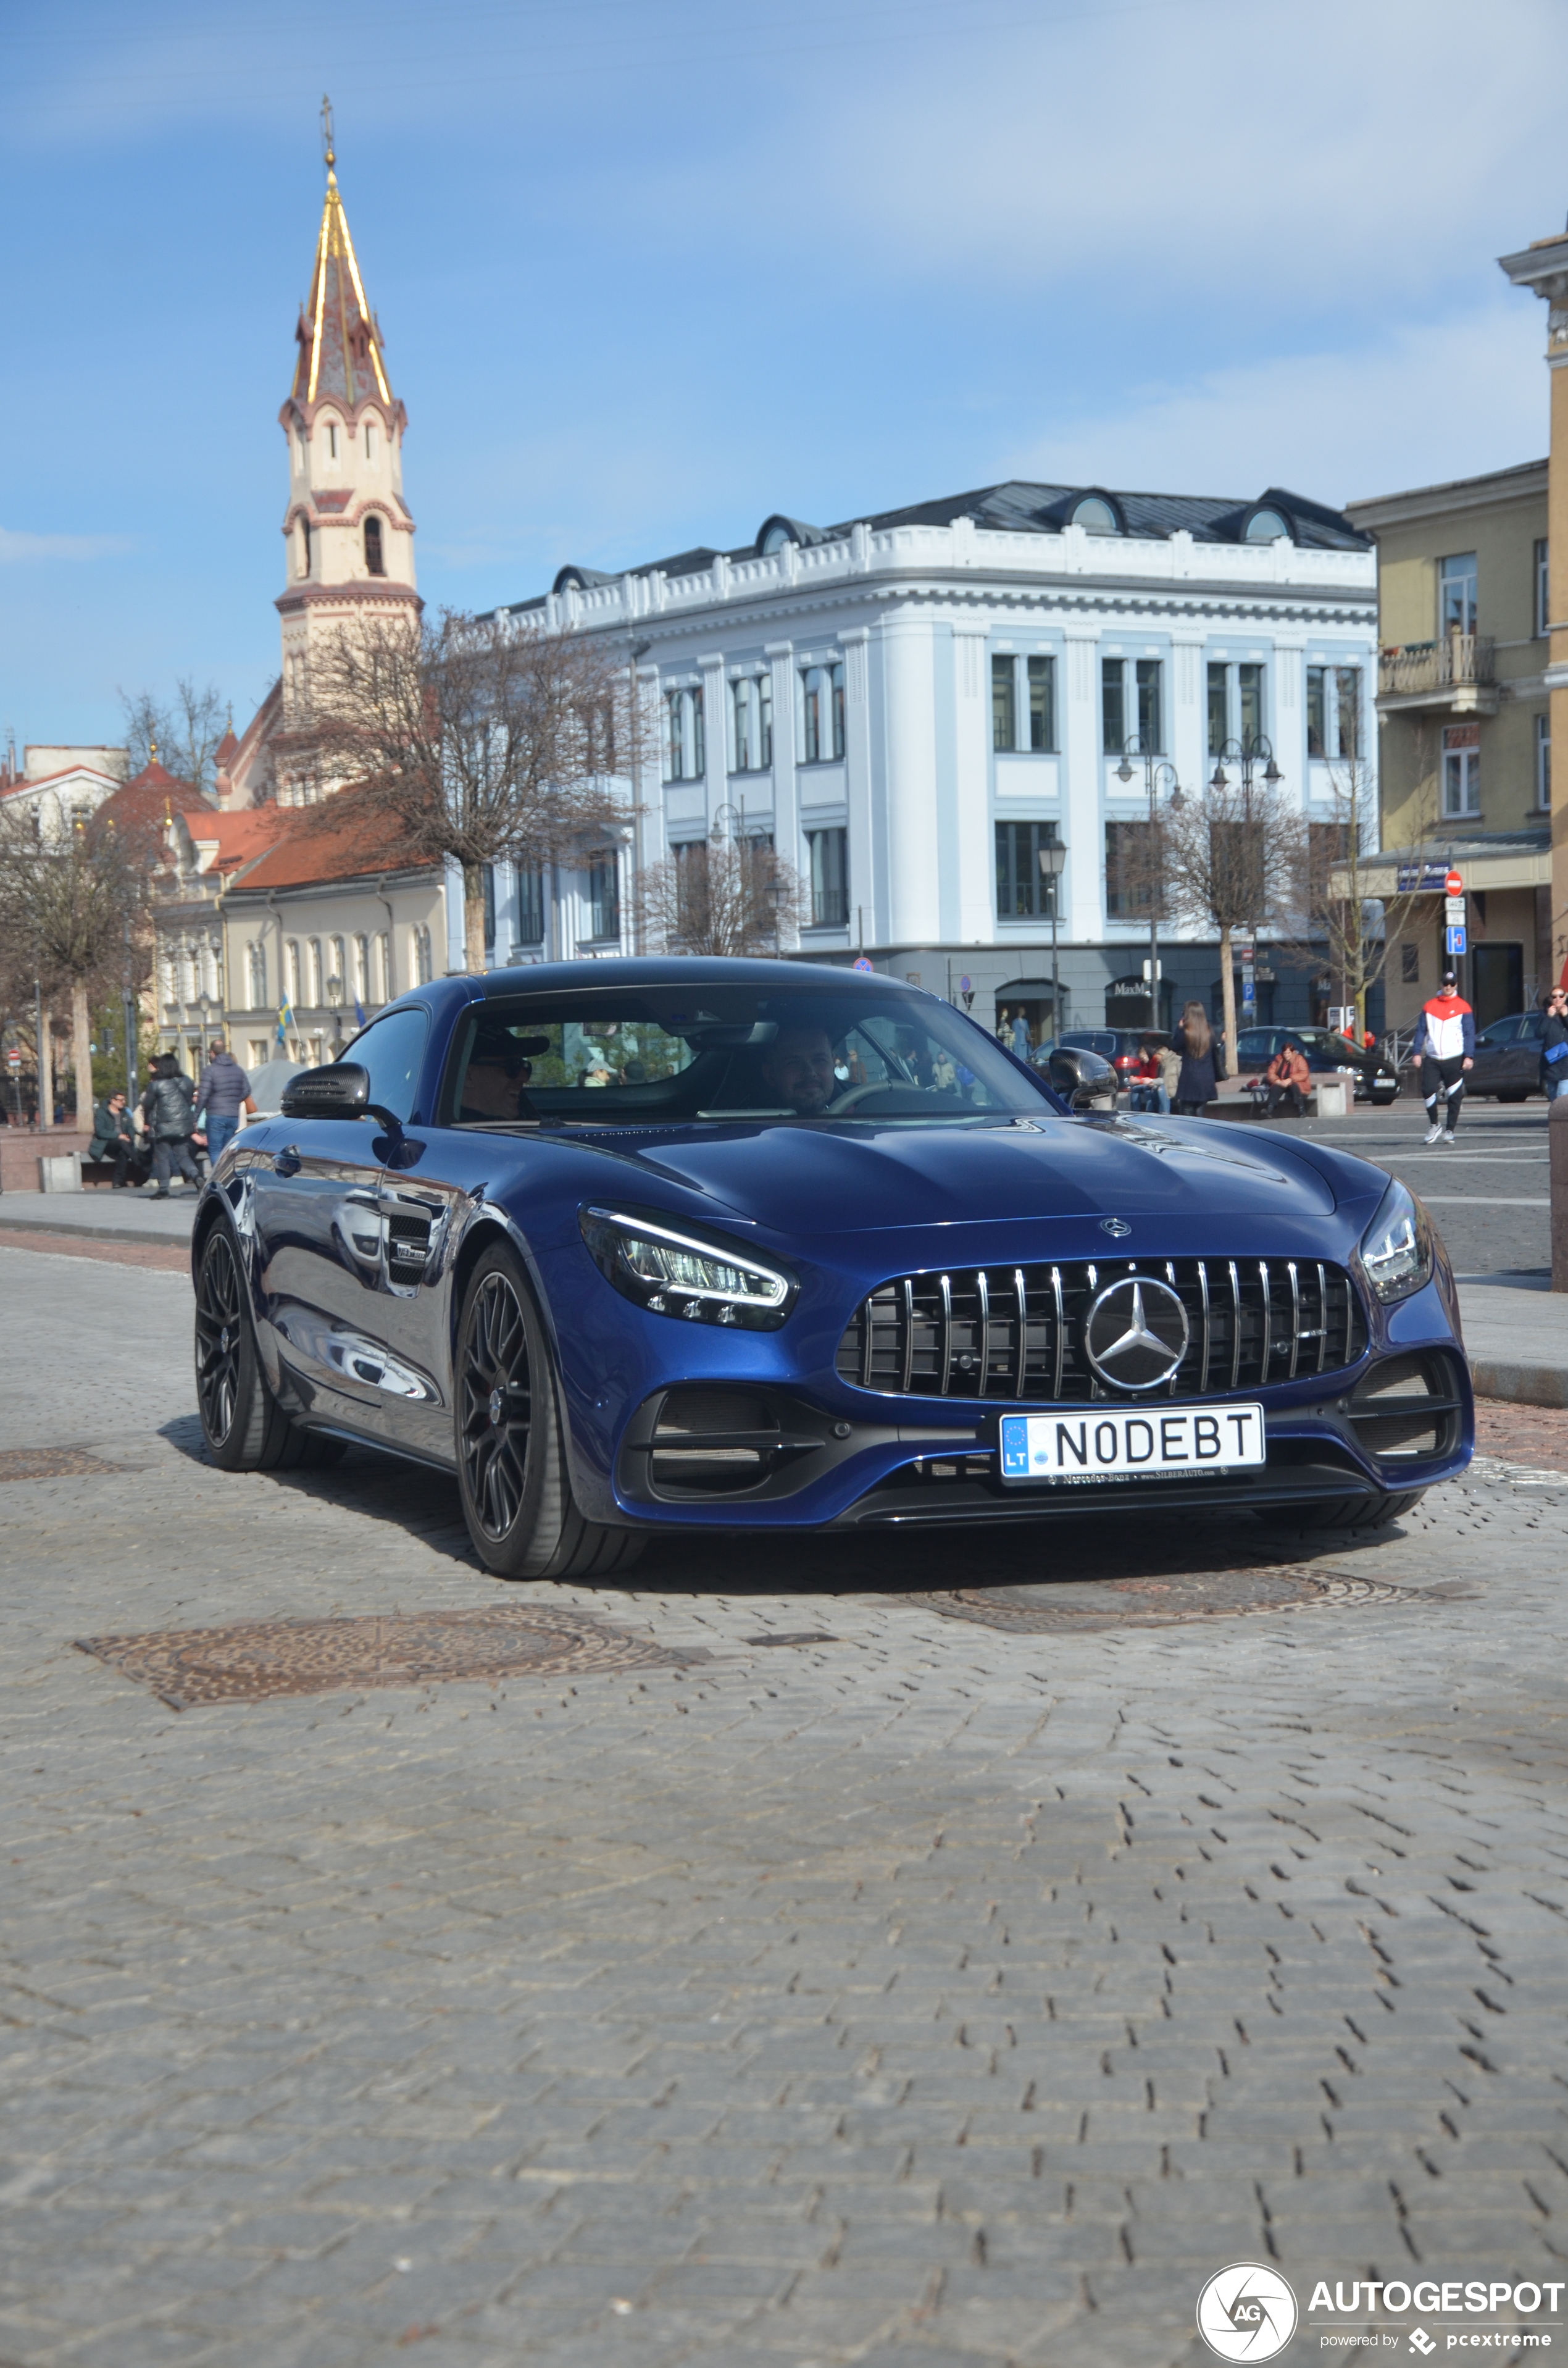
[[1095, 514], [775, 539], [1266, 526], [375, 563]]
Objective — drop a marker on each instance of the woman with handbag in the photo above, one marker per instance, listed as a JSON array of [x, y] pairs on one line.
[[1196, 1082]]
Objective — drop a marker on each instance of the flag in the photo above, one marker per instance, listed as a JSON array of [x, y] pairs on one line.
[[359, 1013], [285, 1019]]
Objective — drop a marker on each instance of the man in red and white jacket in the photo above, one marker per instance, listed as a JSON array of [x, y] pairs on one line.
[[1445, 1046]]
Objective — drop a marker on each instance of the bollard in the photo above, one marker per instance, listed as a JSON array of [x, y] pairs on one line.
[[1557, 1138]]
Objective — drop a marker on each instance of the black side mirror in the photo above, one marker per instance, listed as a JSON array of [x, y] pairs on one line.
[[341, 1089]]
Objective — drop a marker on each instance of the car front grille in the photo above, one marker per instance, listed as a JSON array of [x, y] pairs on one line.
[[1017, 1332]]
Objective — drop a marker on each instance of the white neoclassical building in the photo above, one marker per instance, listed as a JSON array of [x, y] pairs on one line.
[[911, 705]]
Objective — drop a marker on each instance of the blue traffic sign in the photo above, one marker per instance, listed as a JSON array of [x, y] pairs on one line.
[[1453, 941], [863, 963]]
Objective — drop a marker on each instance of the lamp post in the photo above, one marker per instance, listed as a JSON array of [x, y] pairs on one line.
[[1253, 749], [1155, 771], [1052, 856]]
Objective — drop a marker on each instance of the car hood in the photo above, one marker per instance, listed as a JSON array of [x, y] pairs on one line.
[[864, 1178]]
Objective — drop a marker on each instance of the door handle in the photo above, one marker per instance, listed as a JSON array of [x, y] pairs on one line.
[[286, 1162]]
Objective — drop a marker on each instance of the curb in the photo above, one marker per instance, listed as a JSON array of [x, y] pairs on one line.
[[1503, 1377], [89, 1233]]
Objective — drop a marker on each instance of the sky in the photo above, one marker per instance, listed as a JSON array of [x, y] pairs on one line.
[[648, 270]]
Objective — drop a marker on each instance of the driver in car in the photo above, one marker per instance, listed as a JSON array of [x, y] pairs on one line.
[[798, 1068], [496, 1083]]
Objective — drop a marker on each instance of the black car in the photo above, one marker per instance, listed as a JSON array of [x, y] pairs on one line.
[[1123, 1047], [1507, 1057], [1377, 1079]]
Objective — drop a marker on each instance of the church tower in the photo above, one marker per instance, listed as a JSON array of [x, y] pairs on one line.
[[347, 533]]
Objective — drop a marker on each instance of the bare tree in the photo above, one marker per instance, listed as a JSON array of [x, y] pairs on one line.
[[735, 897], [184, 733], [1341, 909], [1231, 861], [482, 740], [66, 903]]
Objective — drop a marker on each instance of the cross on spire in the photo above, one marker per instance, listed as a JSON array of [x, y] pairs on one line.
[[328, 150]]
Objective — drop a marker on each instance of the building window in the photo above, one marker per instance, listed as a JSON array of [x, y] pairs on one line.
[[362, 971], [1334, 712], [1035, 678], [530, 908], [1235, 705], [384, 967], [1410, 964], [305, 558], [374, 563], [339, 973], [256, 963], [1023, 892], [487, 875], [685, 749], [1543, 762], [332, 438], [1542, 591], [1004, 702], [604, 899], [828, 853], [1266, 526], [1456, 592], [313, 980], [1461, 769], [260, 1051], [821, 713], [1095, 516], [751, 715], [1122, 699], [422, 963], [1128, 874], [369, 439], [291, 971]]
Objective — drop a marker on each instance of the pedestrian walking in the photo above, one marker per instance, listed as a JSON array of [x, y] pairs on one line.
[[1021, 1034], [1554, 1045], [1445, 1046], [1198, 1080], [222, 1092], [168, 1107]]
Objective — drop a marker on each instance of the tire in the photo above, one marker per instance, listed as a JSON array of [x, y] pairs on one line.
[[1343, 1513], [243, 1425], [512, 1474]]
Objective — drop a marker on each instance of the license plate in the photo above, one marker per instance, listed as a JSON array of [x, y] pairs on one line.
[[1125, 1442]]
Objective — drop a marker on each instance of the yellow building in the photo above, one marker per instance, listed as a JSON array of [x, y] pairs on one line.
[[1465, 735]]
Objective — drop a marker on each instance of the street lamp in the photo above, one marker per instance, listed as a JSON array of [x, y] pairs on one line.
[[1052, 856], [1153, 776]]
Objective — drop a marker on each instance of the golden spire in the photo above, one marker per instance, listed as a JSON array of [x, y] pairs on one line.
[[339, 343]]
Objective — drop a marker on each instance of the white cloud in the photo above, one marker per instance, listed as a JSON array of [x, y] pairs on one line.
[[1444, 399], [17, 548]]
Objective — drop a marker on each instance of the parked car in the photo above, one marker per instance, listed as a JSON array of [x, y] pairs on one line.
[[1507, 1057], [1120, 1046], [1376, 1078], [745, 1246]]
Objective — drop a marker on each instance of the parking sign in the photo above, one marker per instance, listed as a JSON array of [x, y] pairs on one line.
[[1453, 941]]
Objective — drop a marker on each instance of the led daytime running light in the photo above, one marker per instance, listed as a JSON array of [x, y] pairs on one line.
[[1396, 1250], [676, 1274]]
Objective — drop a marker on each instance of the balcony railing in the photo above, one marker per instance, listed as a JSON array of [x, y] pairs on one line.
[[1458, 661]]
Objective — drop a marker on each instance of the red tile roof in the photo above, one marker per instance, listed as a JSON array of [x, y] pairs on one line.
[[319, 845]]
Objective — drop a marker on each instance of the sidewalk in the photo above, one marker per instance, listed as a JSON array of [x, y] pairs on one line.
[[1516, 1330], [103, 1215]]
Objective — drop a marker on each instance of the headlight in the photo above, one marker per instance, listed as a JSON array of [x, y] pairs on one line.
[[1396, 1248], [675, 1273]]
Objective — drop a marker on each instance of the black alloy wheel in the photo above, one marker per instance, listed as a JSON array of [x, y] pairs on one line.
[[243, 1425], [511, 1472]]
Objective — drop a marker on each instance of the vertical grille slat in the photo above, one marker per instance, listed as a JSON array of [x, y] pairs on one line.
[[1016, 1335]]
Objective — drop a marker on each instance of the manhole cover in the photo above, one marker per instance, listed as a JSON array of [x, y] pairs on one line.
[[50, 1463], [1153, 1600], [257, 1659]]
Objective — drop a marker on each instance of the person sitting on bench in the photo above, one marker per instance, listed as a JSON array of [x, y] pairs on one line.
[[1288, 1078]]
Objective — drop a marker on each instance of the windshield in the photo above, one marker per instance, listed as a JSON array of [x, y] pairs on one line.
[[684, 1055]]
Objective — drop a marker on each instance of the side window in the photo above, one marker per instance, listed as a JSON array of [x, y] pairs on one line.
[[392, 1050]]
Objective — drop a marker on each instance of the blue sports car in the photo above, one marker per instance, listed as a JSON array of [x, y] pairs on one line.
[[642, 1246]]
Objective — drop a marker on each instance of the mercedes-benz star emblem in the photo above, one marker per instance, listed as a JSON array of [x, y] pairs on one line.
[[1117, 1227], [1136, 1332]]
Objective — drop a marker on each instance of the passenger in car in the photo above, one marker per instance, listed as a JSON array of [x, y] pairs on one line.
[[496, 1084]]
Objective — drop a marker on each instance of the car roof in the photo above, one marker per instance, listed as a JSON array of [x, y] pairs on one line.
[[687, 971]]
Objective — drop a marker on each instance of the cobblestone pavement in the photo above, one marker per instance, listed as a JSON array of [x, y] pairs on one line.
[[936, 1993]]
